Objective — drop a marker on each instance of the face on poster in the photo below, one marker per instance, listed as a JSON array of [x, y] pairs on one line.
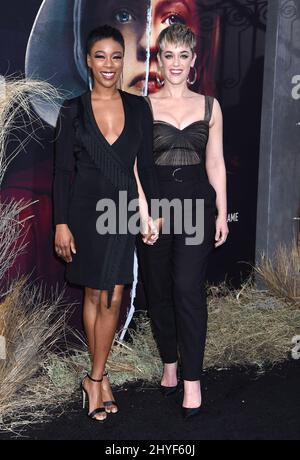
[[140, 22]]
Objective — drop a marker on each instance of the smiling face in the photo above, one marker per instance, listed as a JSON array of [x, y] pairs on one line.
[[106, 60], [176, 62], [131, 17], [166, 13]]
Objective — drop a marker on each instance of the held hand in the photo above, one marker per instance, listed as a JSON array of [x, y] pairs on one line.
[[221, 231], [151, 235], [154, 231], [64, 242]]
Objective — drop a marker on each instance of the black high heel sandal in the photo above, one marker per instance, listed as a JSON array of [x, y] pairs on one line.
[[85, 395], [110, 403]]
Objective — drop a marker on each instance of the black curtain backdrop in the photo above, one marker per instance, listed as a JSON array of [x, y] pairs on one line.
[[234, 33]]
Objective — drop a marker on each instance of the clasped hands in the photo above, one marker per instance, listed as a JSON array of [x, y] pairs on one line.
[[150, 230]]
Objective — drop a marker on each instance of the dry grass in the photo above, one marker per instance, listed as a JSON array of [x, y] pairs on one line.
[[18, 125], [30, 322], [282, 274], [249, 327], [18, 121], [13, 232], [32, 326]]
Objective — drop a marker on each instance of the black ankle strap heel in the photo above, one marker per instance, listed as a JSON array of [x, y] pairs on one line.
[[85, 396], [93, 380]]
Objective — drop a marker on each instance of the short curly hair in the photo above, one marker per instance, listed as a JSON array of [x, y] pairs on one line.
[[177, 34], [102, 32]]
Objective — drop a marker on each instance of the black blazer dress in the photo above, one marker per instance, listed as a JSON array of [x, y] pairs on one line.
[[88, 169]]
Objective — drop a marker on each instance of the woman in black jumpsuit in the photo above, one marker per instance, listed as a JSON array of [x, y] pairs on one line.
[[102, 263], [186, 152]]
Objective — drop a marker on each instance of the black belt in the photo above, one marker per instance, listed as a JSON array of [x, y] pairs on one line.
[[182, 173]]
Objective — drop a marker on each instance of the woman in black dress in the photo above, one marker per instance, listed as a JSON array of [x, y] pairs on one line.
[[188, 152], [106, 137]]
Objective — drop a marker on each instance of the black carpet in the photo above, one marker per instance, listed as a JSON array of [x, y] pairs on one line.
[[238, 405]]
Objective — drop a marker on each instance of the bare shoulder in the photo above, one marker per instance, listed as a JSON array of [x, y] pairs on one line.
[[201, 97], [197, 96], [197, 100], [217, 111], [217, 104]]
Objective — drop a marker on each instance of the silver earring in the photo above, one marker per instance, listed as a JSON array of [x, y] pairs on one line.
[[194, 79], [159, 81], [90, 79]]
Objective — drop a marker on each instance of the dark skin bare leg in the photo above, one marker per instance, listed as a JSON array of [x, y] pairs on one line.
[[100, 325]]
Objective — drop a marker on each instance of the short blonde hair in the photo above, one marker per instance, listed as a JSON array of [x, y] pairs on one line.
[[177, 34]]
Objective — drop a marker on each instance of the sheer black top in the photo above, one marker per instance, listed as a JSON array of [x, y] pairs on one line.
[[178, 147]]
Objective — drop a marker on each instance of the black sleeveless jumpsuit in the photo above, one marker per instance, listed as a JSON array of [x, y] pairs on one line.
[[173, 273]]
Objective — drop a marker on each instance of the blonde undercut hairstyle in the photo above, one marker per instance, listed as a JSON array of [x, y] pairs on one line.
[[177, 34]]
